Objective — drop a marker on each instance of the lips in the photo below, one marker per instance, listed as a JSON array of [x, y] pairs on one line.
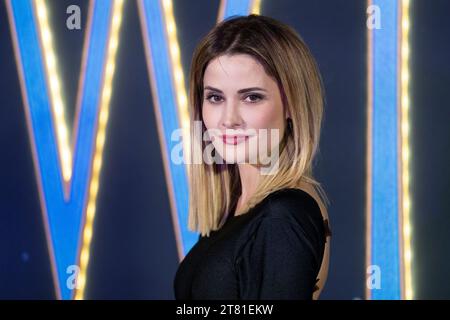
[[234, 140]]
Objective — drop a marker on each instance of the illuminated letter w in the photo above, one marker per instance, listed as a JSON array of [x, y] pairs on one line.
[[68, 177]]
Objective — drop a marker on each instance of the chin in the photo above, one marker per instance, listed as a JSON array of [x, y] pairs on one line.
[[232, 154]]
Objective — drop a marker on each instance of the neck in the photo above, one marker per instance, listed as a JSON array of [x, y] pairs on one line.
[[249, 176]]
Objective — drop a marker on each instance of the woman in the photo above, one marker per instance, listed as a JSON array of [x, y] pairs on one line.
[[261, 217]]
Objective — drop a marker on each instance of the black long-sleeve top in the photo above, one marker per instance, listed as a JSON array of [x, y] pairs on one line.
[[274, 251]]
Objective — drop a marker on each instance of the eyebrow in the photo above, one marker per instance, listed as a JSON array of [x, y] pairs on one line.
[[240, 91]]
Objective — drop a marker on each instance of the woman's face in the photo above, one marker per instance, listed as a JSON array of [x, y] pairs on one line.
[[240, 100]]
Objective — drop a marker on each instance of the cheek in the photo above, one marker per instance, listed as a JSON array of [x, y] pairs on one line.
[[210, 117], [265, 118]]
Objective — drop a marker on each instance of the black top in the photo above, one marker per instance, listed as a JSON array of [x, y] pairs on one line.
[[274, 251]]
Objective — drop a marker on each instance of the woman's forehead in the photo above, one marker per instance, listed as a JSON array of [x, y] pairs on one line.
[[236, 72]]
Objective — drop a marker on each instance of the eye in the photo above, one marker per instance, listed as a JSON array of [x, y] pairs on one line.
[[214, 98], [253, 98]]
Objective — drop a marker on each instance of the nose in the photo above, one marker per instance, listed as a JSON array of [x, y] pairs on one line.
[[231, 117]]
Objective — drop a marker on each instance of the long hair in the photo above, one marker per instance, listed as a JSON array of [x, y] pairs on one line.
[[215, 188]]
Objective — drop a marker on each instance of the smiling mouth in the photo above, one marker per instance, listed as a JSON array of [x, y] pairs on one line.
[[234, 140]]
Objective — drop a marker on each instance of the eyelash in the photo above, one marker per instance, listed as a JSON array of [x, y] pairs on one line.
[[260, 97]]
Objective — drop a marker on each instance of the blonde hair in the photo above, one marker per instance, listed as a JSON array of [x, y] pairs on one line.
[[215, 188]]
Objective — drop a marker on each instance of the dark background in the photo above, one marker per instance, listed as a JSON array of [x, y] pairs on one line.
[[133, 253]]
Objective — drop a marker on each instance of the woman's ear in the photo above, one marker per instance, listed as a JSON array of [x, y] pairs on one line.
[[287, 114]]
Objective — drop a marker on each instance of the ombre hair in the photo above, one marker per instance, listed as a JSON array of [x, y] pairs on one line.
[[215, 188]]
